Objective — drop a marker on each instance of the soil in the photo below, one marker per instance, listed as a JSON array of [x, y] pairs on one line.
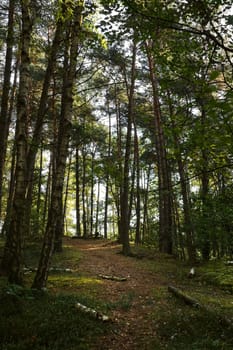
[[135, 296]]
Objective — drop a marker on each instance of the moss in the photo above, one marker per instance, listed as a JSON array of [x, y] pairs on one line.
[[44, 321]]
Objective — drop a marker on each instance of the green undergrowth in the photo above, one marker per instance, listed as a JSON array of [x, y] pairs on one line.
[[218, 274], [30, 319], [178, 326]]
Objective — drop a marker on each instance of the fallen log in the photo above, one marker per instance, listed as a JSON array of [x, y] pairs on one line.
[[195, 303], [113, 278], [186, 298], [92, 312]]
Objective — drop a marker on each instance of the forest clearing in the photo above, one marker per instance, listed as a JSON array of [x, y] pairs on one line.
[[142, 313]]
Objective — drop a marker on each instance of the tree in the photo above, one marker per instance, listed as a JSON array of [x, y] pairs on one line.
[[13, 260], [73, 19]]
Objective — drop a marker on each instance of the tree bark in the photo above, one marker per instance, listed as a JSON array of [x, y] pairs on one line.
[[165, 198], [4, 124], [73, 37], [124, 200], [77, 192], [12, 262]]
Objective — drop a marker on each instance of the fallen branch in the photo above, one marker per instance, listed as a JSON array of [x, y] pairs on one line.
[[92, 312], [113, 278], [195, 303], [28, 270], [186, 298]]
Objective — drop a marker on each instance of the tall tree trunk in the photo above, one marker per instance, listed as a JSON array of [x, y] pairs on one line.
[[92, 194], [97, 210], [37, 223], [73, 34], [188, 224], [145, 210], [11, 185], [37, 133], [205, 248], [77, 192], [165, 198], [124, 200], [138, 197], [4, 124], [47, 195], [12, 262], [107, 178], [84, 214], [66, 195]]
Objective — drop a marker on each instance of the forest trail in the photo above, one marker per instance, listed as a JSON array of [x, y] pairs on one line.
[[135, 297], [144, 314]]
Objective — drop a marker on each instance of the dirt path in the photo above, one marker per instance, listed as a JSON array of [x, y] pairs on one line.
[[134, 297]]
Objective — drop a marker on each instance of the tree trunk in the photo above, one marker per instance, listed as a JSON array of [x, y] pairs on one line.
[[138, 197], [70, 62], [124, 200], [77, 192], [205, 247], [188, 225], [107, 178], [37, 133], [145, 210], [165, 198], [4, 124], [12, 262], [83, 194]]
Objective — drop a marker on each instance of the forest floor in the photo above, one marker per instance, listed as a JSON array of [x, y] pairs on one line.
[[144, 314]]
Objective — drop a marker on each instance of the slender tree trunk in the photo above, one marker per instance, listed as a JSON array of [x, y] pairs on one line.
[[43, 105], [5, 228], [188, 225], [92, 194], [165, 198], [124, 200], [13, 158], [84, 214], [138, 197], [4, 124], [73, 33], [97, 210], [205, 248], [77, 192], [37, 223], [145, 211], [107, 178], [12, 262], [66, 195], [47, 195]]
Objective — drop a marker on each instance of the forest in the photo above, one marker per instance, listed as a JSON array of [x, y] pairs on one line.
[[116, 124]]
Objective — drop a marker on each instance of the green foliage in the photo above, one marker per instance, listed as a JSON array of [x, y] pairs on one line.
[[217, 274], [179, 328], [41, 321]]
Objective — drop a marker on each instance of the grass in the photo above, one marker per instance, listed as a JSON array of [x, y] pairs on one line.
[[30, 319]]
